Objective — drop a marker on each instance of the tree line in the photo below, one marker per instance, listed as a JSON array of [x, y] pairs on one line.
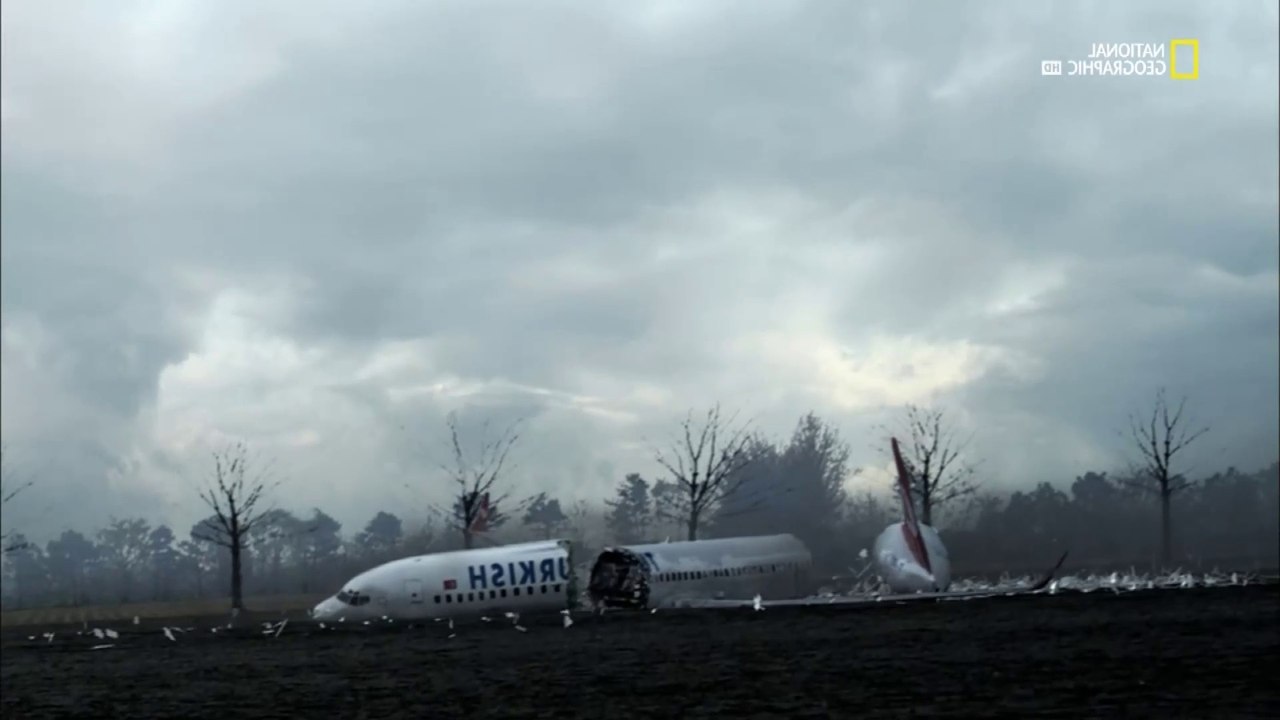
[[719, 480]]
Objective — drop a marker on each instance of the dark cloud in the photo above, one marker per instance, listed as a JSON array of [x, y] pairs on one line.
[[323, 229]]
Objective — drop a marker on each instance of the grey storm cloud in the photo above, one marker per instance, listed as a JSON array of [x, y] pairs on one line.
[[321, 226]]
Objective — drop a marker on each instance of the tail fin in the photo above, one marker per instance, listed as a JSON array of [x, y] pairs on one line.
[[910, 526], [480, 523]]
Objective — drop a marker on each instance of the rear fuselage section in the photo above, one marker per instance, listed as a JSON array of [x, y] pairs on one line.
[[902, 571]]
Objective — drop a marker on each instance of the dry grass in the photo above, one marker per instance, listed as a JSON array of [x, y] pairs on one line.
[[155, 610]]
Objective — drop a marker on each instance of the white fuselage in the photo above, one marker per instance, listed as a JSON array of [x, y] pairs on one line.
[[901, 571], [772, 566], [524, 577]]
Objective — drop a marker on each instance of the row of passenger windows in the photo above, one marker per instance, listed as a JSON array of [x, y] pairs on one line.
[[461, 597], [726, 572]]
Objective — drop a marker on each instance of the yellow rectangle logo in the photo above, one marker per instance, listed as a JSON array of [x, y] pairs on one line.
[[1194, 45]]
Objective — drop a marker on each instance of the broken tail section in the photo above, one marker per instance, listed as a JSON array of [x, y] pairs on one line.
[[910, 526], [480, 523]]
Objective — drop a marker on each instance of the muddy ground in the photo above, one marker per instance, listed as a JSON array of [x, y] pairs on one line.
[[1173, 653]]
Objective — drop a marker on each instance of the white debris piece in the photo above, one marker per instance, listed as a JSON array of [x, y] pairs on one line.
[[101, 647], [169, 634], [280, 629], [112, 634], [136, 620], [453, 635], [450, 623], [97, 632], [522, 628], [757, 604], [48, 637], [568, 622]]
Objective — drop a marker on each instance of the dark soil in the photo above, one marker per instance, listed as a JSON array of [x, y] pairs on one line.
[[1173, 653]]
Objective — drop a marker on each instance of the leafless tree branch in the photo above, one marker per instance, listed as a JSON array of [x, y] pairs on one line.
[[1159, 440], [705, 465], [934, 457], [235, 493], [8, 491], [477, 477]]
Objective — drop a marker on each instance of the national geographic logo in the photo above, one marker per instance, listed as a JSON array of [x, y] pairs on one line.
[[1178, 59]]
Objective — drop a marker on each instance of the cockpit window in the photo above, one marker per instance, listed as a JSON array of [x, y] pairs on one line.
[[353, 597]]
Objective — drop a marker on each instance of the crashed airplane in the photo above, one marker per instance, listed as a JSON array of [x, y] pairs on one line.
[[909, 557]]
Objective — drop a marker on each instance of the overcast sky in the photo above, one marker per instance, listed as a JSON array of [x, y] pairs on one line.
[[320, 226]]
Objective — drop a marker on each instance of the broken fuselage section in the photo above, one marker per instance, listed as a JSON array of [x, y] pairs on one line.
[[684, 573], [620, 578]]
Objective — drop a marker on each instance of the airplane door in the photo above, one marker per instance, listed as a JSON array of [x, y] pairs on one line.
[[413, 588]]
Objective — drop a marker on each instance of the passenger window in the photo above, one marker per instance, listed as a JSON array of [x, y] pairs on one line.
[[437, 599], [515, 591], [544, 589], [556, 587], [493, 594], [503, 592], [448, 598], [471, 597]]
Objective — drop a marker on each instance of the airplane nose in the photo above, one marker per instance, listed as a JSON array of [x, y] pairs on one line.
[[325, 610]]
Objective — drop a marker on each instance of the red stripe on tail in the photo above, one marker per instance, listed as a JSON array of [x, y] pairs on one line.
[[480, 522], [910, 527]]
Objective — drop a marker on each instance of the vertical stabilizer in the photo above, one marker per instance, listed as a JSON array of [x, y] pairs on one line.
[[480, 523], [910, 526]]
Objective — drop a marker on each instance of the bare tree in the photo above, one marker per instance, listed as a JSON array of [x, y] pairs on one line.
[[705, 468], [8, 491], [1158, 441], [932, 454], [234, 494], [474, 507]]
